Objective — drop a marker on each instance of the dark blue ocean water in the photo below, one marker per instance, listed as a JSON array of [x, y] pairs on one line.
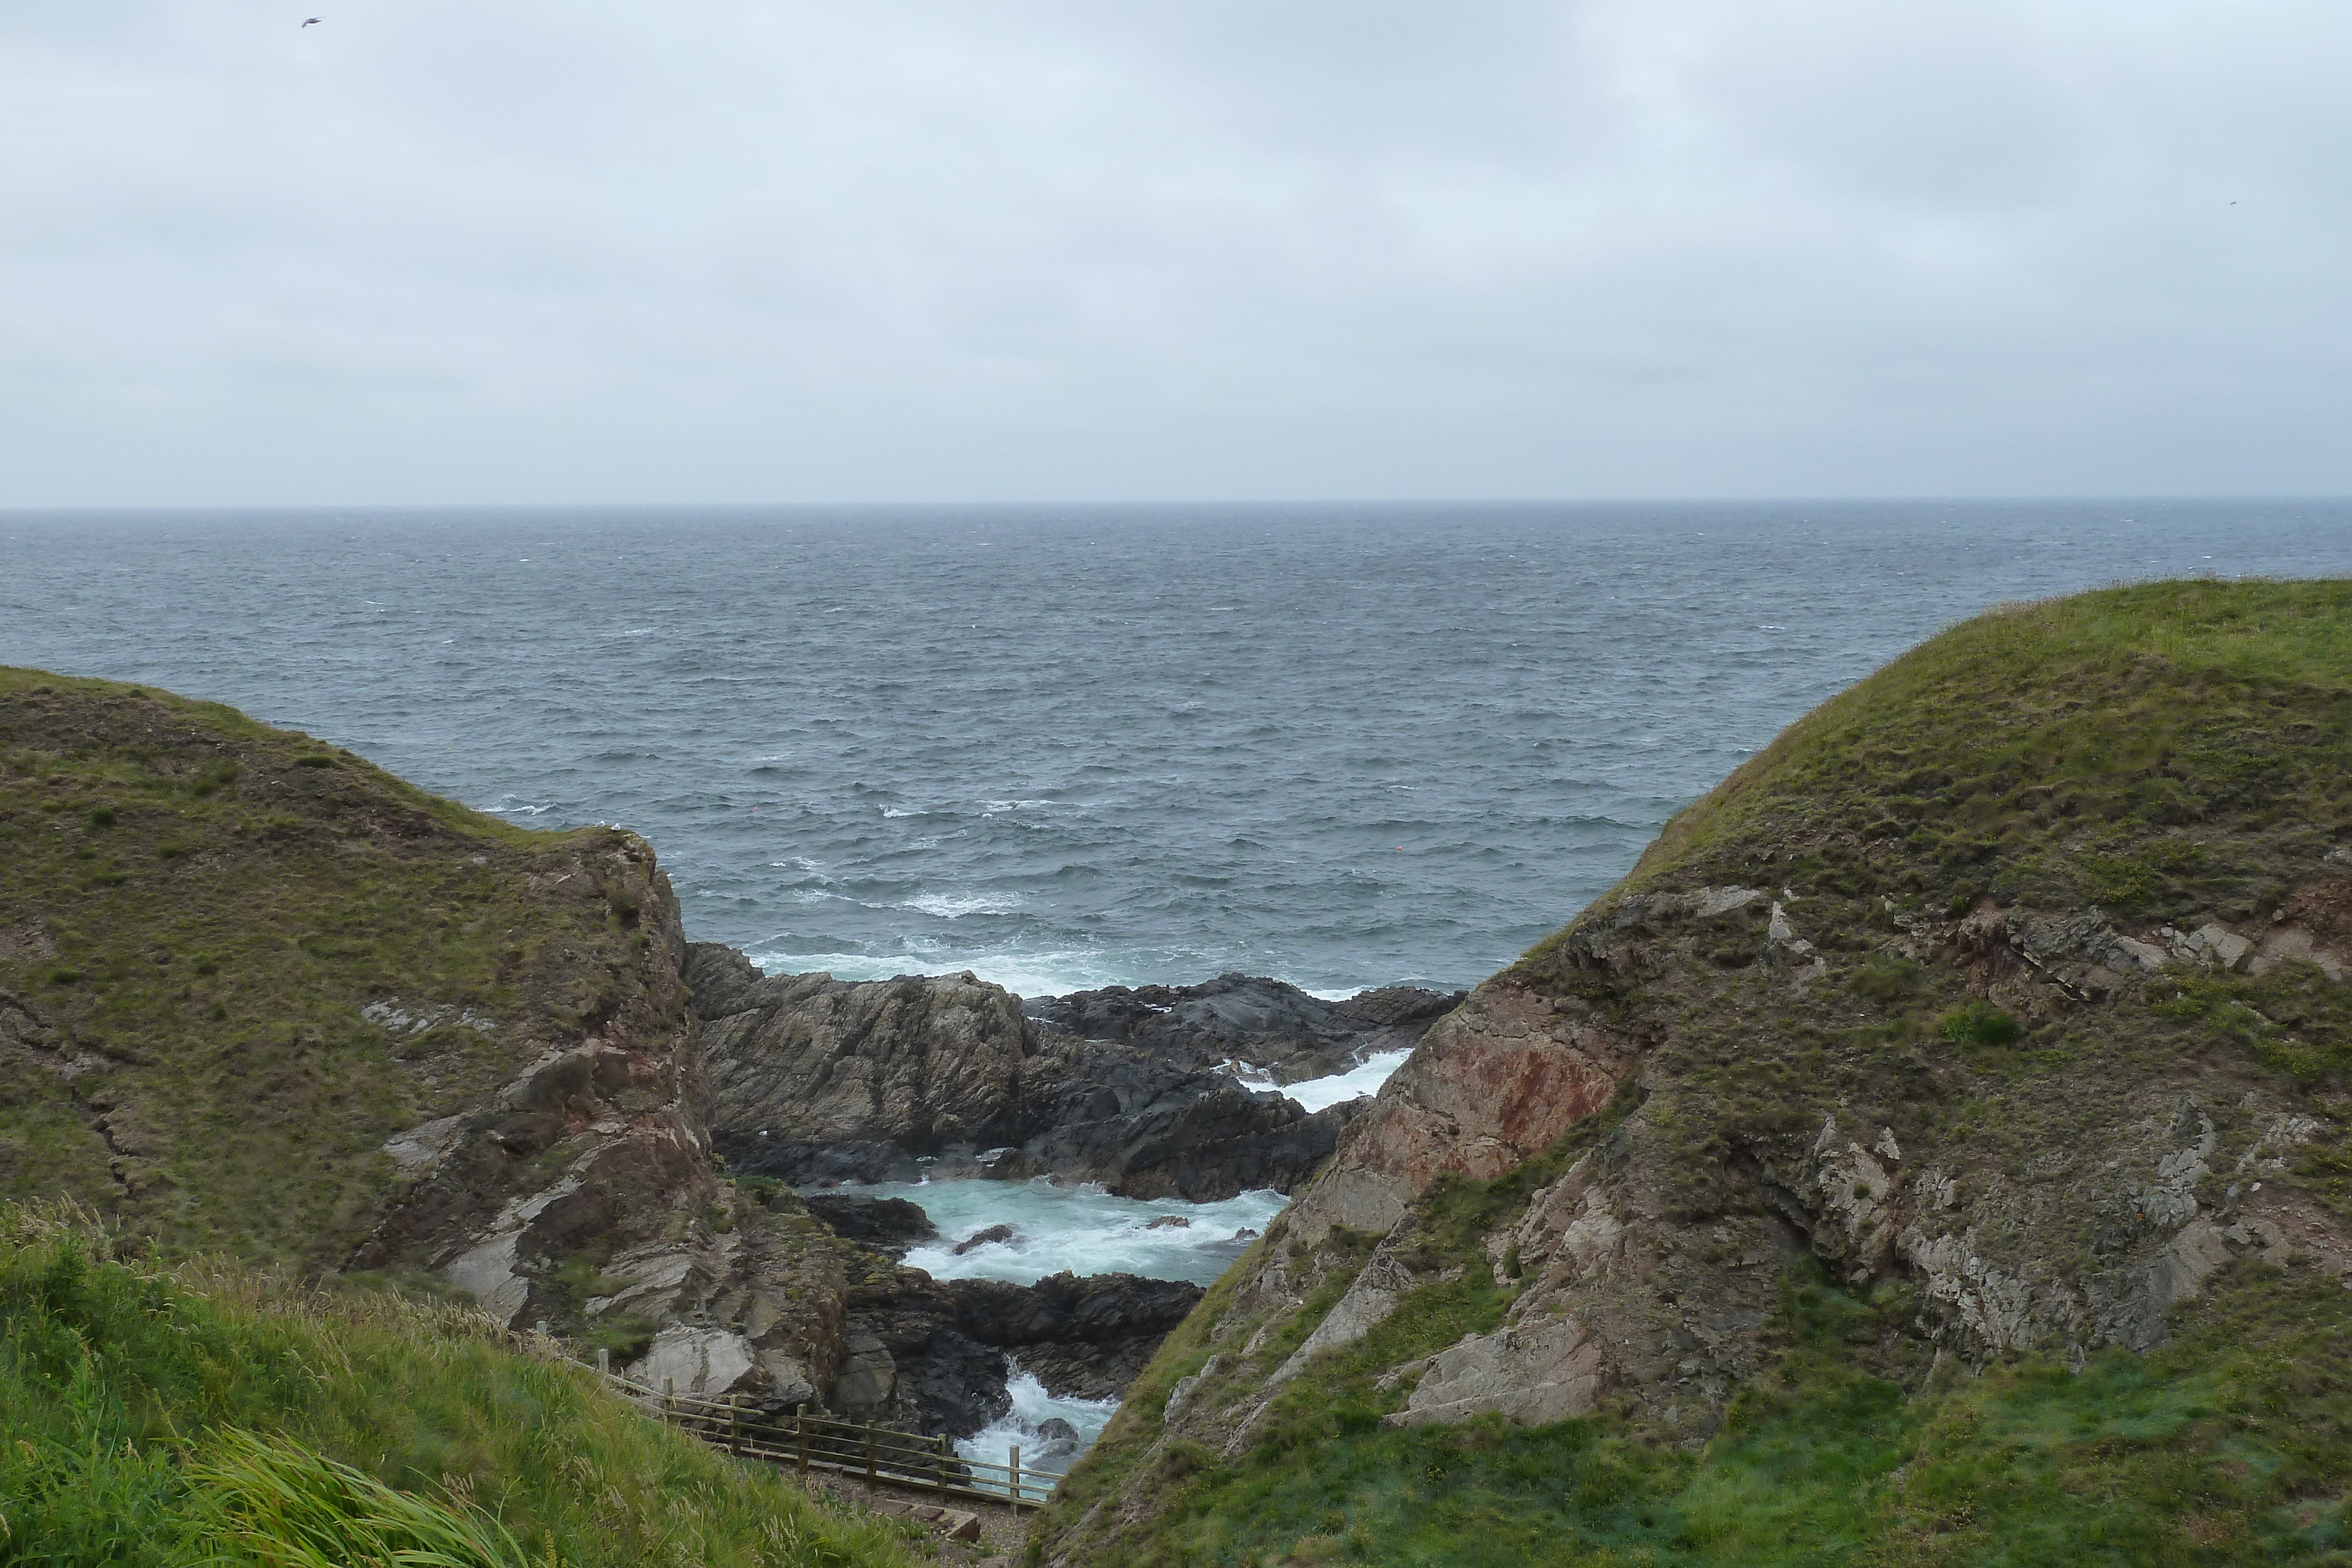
[[1344, 744]]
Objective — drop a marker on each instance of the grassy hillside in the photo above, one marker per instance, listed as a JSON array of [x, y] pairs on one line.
[[2151, 757], [2168, 751], [196, 911], [154, 1416]]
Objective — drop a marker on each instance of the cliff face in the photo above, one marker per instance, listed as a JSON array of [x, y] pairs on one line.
[[1993, 1019], [250, 979], [264, 998]]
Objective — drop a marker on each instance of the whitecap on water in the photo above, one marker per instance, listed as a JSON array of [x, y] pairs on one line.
[[1365, 1078], [1019, 1428], [1080, 1229], [956, 905]]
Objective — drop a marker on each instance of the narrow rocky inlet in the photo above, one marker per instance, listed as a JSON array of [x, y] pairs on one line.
[[966, 1160]]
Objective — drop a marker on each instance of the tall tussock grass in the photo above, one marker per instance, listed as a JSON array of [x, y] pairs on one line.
[[282, 1506], [157, 1415]]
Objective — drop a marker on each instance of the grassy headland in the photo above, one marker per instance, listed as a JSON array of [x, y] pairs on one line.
[[2167, 756], [197, 909]]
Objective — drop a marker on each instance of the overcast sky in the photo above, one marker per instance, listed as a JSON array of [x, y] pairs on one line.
[[762, 250]]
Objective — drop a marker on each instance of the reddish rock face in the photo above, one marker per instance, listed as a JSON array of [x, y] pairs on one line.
[[1493, 1084]]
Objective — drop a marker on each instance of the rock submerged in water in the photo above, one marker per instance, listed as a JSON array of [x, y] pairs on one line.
[[1170, 1222], [988, 1238]]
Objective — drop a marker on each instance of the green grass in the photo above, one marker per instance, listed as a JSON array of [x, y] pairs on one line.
[[196, 909], [201, 1413], [2229, 1446], [2066, 752]]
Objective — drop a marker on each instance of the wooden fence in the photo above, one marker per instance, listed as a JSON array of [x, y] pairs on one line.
[[882, 1456]]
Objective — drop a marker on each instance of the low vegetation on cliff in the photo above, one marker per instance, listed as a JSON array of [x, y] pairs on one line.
[[198, 1413], [1934, 1152], [261, 1000], [233, 960]]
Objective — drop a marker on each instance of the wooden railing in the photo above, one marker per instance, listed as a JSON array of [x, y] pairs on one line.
[[882, 1456]]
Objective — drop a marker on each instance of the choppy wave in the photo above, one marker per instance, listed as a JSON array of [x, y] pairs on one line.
[[1082, 1229], [1342, 745], [1018, 1429], [956, 905]]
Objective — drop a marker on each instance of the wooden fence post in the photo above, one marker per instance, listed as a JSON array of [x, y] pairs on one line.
[[943, 1464], [605, 1360], [800, 1433], [1014, 1471], [734, 1423], [669, 1399], [869, 1452]]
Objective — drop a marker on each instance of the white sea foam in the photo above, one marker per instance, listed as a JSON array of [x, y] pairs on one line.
[[1366, 1078], [1031, 1408], [956, 905], [1082, 1229], [1047, 973], [894, 811]]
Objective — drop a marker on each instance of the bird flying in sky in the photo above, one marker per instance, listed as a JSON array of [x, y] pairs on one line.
[[310, 21]]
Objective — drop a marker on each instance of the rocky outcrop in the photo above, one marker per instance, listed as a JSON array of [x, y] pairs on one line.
[[889, 1224], [1085, 1337], [1146, 1128], [817, 1080], [1277, 1029], [1495, 1082]]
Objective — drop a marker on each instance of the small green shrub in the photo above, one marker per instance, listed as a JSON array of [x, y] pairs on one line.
[[1887, 981], [1978, 1023]]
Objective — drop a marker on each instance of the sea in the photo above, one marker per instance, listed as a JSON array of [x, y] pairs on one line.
[[1071, 747]]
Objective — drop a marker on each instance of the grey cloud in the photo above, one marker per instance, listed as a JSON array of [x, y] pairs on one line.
[[770, 251]]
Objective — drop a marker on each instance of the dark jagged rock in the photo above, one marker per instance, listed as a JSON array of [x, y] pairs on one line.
[[804, 1068], [816, 1081], [1081, 1336], [1270, 1025], [889, 1224], [935, 1356], [1146, 1128]]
